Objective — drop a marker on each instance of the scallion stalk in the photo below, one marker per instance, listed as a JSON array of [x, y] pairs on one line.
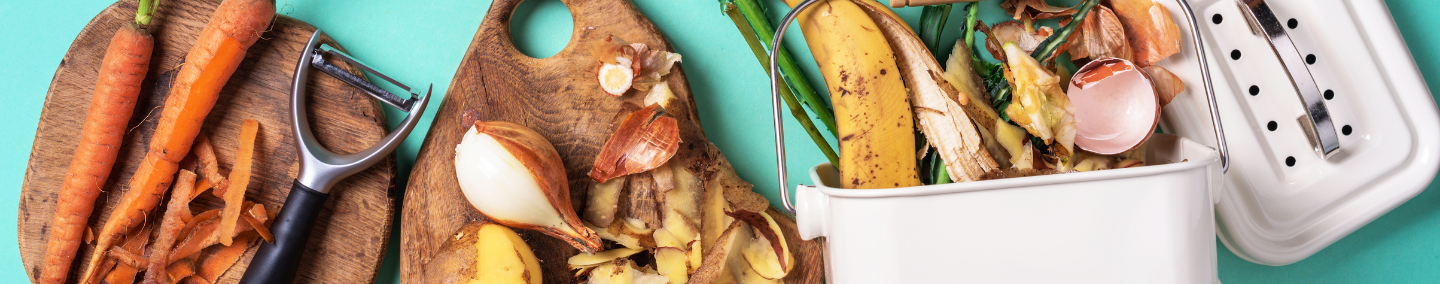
[[1054, 41], [749, 33], [932, 25], [789, 70]]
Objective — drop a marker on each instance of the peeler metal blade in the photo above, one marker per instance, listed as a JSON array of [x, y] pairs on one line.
[[320, 169]]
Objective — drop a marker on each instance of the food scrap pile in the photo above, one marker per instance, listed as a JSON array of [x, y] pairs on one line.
[[649, 216], [174, 244], [1138, 31], [976, 119]]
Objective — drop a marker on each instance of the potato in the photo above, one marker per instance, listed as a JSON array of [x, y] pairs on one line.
[[484, 252]]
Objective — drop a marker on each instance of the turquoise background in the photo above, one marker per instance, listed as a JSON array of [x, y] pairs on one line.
[[423, 43]]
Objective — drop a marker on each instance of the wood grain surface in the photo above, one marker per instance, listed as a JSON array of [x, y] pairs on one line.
[[559, 98], [348, 244]]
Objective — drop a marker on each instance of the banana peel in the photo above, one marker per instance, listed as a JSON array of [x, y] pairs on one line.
[[937, 103], [874, 122], [1002, 139]]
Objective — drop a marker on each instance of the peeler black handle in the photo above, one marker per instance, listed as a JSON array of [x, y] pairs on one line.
[[276, 262]]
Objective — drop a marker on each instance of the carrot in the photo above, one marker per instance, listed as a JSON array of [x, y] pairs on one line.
[[239, 179], [210, 168], [259, 227], [217, 52], [176, 215], [216, 264], [128, 258], [124, 273], [258, 212], [189, 228], [201, 223], [108, 267], [180, 270], [117, 88], [205, 234]]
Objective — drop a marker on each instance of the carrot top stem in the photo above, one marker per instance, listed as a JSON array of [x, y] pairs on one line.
[[146, 11]]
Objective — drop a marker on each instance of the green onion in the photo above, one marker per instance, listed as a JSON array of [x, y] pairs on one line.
[[749, 33], [932, 25], [789, 70], [1054, 41]]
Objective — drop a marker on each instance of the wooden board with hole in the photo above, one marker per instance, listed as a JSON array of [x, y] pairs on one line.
[[347, 246], [560, 98]]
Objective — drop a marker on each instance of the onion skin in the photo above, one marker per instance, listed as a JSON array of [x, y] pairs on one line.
[[646, 139], [540, 157]]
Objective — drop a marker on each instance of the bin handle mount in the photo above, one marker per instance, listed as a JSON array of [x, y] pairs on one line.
[[780, 167]]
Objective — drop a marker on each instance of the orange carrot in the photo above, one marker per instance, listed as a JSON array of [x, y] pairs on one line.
[[189, 228], [210, 168], [258, 212], [124, 273], [239, 179], [107, 268], [126, 61], [176, 215], [180, 270], [216, 264], [217, 52], [206, 234], [259, 227], [128, 258]]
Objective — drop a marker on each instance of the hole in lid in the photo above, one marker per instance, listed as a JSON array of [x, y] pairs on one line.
[[1217, 19], [1290, 161], [1235, 54], [1329, 94], [1310, 59], [1346, 130], [1293, 23], [541, 29], [1254, 90], [1272, 125]]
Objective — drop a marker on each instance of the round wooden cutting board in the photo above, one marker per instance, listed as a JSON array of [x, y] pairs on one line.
[[348, 243]]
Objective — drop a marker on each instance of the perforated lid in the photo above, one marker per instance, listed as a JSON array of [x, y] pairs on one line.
[[1289, 192]]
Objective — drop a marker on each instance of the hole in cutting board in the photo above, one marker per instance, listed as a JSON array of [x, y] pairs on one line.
[[541, 28]]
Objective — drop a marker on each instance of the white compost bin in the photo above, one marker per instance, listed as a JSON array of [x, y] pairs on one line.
[[1328, 125]]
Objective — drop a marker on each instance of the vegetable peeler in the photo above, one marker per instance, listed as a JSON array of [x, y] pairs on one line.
[[320, 169]]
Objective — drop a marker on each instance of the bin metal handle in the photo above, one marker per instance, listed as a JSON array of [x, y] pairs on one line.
[[780, 167]]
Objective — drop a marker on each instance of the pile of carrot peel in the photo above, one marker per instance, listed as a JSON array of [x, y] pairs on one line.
[[176, 245]]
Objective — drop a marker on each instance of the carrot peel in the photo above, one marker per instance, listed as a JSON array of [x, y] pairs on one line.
[[240, 179]]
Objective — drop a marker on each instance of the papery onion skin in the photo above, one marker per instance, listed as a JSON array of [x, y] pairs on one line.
[[545, 167], [646, 139]]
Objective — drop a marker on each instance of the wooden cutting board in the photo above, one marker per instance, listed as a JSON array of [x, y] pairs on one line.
[[560, 98], [348, 244]]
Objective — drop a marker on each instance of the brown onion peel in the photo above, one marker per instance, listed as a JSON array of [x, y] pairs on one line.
[[648, 66], [645, 140], [545, 165], [1035, 10]]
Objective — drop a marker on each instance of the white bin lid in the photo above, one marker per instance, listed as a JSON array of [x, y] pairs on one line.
[[1283, 200]]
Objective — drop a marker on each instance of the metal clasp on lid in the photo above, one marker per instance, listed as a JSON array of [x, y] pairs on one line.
[[1316, 123]]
